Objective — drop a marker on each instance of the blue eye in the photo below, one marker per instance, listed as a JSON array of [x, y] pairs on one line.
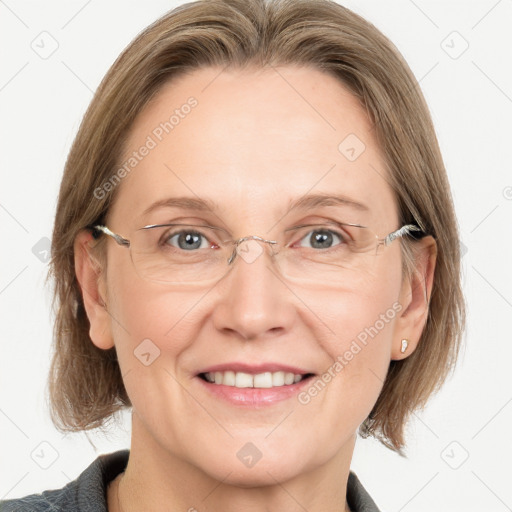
[[322, 238], [189, 239], [186, 240]]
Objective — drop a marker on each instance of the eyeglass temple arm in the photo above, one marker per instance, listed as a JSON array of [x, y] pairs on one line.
[[404, 230], [118, 238]]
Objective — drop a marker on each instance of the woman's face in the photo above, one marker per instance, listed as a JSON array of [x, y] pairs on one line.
[[250, 142]]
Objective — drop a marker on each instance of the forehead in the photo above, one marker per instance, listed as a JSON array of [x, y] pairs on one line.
[[250, 142]]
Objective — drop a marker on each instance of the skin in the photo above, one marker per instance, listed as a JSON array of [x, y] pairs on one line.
[[251, 144]]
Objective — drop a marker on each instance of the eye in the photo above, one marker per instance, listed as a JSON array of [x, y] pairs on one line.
[[185, 240], [321, 238]]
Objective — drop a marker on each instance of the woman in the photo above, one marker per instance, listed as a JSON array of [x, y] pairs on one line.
[[255, 249]]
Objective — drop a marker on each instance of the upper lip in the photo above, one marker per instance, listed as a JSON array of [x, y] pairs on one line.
[[254, 369]]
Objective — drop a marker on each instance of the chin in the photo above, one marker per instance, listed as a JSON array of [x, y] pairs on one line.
[[247, 464], [260, 475]]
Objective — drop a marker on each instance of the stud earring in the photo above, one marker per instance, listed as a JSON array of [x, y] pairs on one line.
[[405, 343]]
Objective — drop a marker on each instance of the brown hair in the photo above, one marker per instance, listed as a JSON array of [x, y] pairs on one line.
[[85, 384]]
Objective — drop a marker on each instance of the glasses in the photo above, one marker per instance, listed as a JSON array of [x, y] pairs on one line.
[[324, 255]]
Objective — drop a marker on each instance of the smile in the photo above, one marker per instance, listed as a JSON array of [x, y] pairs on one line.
[[247, 380]]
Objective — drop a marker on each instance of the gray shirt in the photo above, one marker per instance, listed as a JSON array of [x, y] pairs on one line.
[[87, 493]]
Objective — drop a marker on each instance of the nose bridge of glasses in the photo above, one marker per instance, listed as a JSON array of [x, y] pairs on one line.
[[249, 249]]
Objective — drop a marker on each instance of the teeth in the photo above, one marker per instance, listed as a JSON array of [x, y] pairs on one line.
[[263, 380], [243, 380], [278, 379], [228, 379], [247, 380], [288, 378]]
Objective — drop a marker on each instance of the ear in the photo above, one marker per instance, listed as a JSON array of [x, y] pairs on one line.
[[415, 298], [91, 279]]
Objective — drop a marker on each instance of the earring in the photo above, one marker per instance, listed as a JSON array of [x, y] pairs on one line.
[[404, 345]]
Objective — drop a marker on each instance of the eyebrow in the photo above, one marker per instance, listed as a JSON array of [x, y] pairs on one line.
[[317, 200], [303, 203]]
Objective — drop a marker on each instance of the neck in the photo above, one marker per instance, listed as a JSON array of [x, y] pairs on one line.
[[156, 479]]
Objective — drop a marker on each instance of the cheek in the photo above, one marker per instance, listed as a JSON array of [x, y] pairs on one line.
[[141, 314], [151, 333], [358, 351], [365, 326], [140, 309], [363, 316], [148, 321], [358, 341]]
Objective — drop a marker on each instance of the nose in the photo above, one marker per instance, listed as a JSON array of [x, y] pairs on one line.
[[255, 302]]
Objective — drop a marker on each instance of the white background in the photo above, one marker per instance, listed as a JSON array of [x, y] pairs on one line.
[[470, 97]]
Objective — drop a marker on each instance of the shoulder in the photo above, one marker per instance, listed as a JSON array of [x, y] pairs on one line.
[[357, 496], [54, 500], [85, 494]]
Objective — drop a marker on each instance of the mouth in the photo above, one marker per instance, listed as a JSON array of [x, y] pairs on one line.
[[254, 386], [263, 380]]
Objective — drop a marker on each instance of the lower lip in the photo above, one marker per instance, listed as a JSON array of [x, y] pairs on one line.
[[254, 397]]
